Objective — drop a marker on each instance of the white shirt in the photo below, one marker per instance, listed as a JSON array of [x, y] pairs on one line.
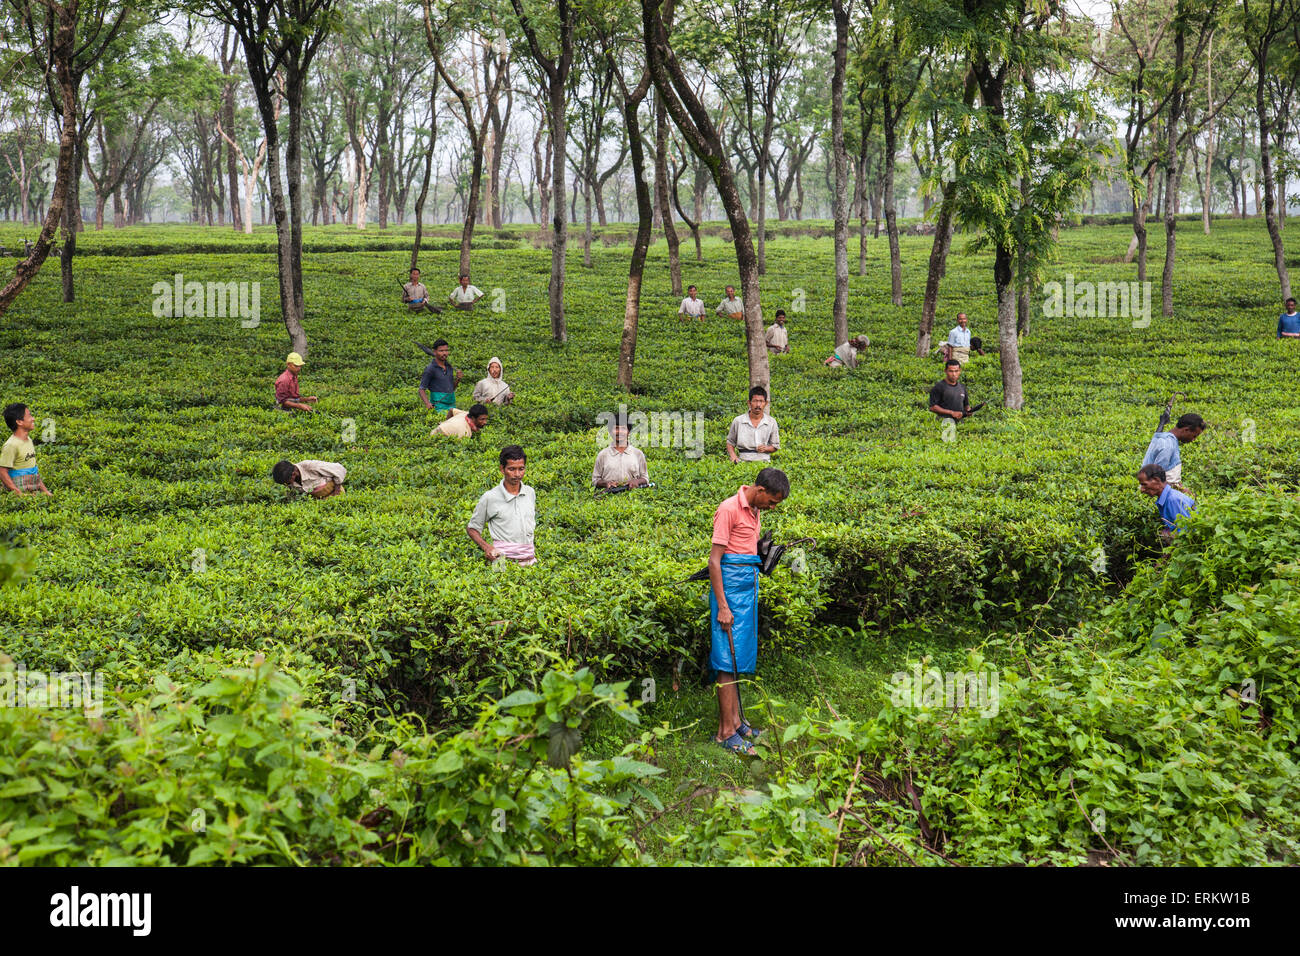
[[959, 337], [615, 467], [730, 306], [691, 306], [777, 336], [744, 434], [467, 294], [314, 473]]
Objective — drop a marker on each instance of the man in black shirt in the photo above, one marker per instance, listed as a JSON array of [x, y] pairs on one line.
[[948, 399]]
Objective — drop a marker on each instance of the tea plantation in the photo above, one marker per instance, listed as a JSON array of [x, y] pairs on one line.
[[346, 682]]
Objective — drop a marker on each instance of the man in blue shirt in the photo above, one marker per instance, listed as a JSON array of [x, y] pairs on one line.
[[439, 380], [1288, 323], [1163, 450], [1170, 502]]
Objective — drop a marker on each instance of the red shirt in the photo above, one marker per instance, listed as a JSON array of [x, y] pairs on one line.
[[286, 387], [735, 525]]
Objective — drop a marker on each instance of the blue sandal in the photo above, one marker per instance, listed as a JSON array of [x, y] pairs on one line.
[[738, 745], [748, 732]]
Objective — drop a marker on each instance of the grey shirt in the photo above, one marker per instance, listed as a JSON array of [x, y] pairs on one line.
[[314, 473], [744, 436], [616, 467], [509, 518]]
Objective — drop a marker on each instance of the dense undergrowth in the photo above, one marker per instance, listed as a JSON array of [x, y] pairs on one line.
[[259, 653]]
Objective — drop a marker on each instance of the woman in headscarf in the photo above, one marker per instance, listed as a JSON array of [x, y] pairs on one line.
[[493, 389], [846, 354]]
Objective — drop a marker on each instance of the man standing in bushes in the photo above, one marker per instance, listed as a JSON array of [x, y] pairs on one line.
[[1170, 502], [1163, 450], [778, 339], [948, 398], [691, 306], [733, 598], [1288, 323], [507, 513], [438, 383], [416, 296], [465, 295], [753, 435], [18, 454], [732, 306]]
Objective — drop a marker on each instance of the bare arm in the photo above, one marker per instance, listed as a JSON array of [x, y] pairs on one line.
[[725, 617], [9, 482], [489, 551]]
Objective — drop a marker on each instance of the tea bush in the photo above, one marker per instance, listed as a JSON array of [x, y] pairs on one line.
[[168, 554]]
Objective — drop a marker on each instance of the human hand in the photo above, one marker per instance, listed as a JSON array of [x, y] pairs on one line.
[[955, 414], [725, 619]]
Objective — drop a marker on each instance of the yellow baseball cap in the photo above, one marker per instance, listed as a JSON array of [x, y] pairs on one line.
[[294, 359]]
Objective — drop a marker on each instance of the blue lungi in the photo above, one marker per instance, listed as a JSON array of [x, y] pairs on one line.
[[740, 584]]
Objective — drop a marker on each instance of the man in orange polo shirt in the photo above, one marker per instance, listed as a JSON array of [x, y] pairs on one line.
[[733, 601]]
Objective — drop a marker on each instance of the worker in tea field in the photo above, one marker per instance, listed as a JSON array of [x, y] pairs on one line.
[[620, 464], [416, 296], [438, 382], [320, 479], [731, 306], [493, 389], [846, 353], [1164, 451], [465, 295], [507, 513], [286, 387], [1288, 323], [733, 599], [960, 344], [1170, 502], [778, 340], [463, 424], [691, 306], [948, 398], [753, 435], [18, 471]]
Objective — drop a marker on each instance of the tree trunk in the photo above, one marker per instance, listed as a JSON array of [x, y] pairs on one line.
[[891, 213], [1266, 164], [61, 53], [428, 170], [702, 136], [559, 135], [644, 227], [935, 273], [1012, 389], [661, 190], [839, 195]]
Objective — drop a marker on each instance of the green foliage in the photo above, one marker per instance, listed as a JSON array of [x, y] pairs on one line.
[[384, 631], [241, 768]]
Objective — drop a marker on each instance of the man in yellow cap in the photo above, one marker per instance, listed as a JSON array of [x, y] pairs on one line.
[[286, 387]]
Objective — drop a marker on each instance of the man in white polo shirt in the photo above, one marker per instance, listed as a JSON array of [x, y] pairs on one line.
[[465, 295], [691, 306], [508, 513], [620, 464], [753, 435]]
